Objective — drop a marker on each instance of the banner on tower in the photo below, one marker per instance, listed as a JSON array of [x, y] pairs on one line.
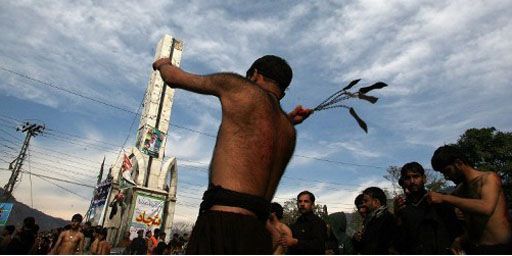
[[147, 213], [149, 141], [99, 200]]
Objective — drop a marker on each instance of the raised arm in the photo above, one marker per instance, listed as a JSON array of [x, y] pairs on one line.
[[217, 84], [491, 190]]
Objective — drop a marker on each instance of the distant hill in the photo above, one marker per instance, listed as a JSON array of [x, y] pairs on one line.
[[20, 211]]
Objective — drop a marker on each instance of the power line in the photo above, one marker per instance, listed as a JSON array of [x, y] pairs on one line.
[[295, 155], [46, 154], [63, 188], [339, 162], [95, 100], [64, 90], [284, 176], [53, 178], [130, 129], [82, 144], [331, 186], [53, 131]]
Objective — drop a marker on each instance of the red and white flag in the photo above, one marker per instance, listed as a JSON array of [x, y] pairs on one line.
[[127, 170]]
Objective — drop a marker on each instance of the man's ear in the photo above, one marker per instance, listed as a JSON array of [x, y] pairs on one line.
[[459, 164], [256, 76]]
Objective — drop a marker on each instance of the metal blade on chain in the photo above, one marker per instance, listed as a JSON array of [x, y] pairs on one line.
[[368, 98], [351, 84], [360, 121], [377, 85]]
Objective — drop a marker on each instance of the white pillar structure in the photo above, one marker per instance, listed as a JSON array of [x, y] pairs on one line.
[[154, 175]]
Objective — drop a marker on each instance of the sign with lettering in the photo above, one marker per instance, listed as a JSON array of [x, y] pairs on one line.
[[147, 213], [5, 210]]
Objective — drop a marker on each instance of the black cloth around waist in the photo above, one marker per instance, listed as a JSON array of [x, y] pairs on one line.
[[217, 195]]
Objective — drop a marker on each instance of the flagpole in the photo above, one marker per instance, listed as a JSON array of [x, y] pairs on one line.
[[100, 176]]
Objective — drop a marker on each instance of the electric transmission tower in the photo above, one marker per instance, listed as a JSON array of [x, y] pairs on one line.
[[31, 130]]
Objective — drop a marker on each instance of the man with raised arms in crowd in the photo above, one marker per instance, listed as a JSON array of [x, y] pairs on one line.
[[70, 241], [480, 197], [255, 142]]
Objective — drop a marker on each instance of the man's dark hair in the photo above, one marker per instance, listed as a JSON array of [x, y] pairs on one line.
[[162, 235], [412, 167], [305, 192], [446, 155], [401, 181], [359, 200], [156, 232], [376, 193], [277, 209], [104, 233], [140, 232], [77, 217], [273, 67], [29, 222]]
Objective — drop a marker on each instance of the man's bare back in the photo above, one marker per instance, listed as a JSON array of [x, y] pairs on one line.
[[69, 242], [256, 138], [254, 144]]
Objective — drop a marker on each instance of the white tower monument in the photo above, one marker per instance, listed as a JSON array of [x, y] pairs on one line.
[[143, 193]]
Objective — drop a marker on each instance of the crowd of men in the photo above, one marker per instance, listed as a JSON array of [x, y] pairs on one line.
[[473, 219], [76, 238]]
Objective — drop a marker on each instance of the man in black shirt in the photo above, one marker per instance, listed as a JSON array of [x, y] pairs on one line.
[[138, 245], [423, 228], [309, 231], [379, 228]]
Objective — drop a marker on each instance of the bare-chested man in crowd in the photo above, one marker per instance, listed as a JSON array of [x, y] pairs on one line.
[[70, 241], [278, 229], [255, 142], [480, 197]]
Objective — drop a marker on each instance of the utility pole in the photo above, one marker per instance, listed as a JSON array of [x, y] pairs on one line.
[[32, 130]]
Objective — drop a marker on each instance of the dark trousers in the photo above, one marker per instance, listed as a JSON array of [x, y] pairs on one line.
[[217, 232]]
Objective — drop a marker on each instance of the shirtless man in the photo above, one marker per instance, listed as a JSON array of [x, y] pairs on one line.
[[278, 229], [480, 197], [255, 142], [71, 240]]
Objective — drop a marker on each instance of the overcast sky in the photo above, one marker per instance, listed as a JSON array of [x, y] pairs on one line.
[[448, 65]]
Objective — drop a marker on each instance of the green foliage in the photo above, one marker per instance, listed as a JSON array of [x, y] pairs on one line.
[[488, 149]]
